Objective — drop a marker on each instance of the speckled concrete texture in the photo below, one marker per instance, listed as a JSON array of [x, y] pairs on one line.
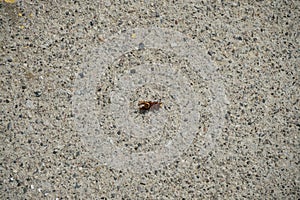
[[254, 48]]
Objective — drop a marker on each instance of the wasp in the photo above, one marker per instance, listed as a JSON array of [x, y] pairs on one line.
[[149, 105]]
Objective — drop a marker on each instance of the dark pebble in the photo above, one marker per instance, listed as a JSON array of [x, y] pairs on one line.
[[9, 126], [81, 74], [38, 93], [141, 46]]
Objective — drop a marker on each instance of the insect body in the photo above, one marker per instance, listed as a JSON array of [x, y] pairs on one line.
[[149, 105]]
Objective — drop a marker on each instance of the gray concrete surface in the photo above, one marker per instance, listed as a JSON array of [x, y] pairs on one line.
[[72, 73]]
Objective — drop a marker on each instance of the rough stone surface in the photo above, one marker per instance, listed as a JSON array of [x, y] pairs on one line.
[[254, 47]]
